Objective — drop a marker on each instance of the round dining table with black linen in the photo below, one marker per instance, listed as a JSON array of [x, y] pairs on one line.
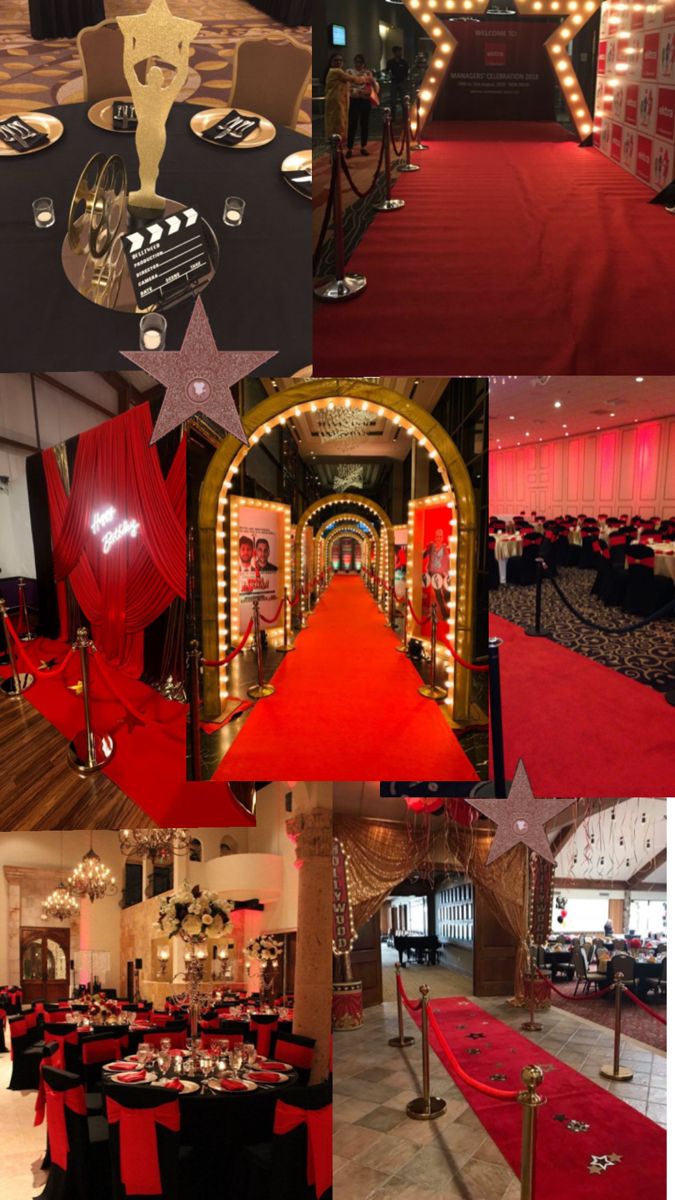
[[259, 299], [63, 18]]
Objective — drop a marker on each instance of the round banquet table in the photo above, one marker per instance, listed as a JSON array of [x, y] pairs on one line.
[[260, 298], [507, 545], [63, 18], [664, 558]]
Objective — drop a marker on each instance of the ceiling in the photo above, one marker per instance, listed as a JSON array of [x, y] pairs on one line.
[[586, 404], [596, 843]]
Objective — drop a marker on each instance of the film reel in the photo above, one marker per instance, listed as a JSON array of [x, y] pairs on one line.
[[82, 203], [108, 206]]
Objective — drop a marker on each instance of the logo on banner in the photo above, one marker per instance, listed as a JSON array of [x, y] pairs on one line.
[[125, 528], [631, 114], [650, 57], [667, 54], [602, 57], [344, 933], [643, 161], [495, 54], [637, 17], [665, 114]]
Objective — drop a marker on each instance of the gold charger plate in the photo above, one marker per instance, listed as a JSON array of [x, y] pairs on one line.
[[44, 123], [101, 114], [300, 160], [264, 134]]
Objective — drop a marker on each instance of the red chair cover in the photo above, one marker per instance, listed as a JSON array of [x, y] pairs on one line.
[[319, 1124], [298, 1056], [641, 562], [57, 1103], [139, 1159], [103, 1050], [265, 1029]]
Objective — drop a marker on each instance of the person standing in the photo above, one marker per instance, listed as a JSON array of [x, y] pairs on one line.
[[337, 83], [360, 103], [398, 74]]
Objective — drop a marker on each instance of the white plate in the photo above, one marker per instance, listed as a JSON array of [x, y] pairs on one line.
[[189, 1085], [286, 1066], [149, 1078], [115, 1066], [215, 1084]]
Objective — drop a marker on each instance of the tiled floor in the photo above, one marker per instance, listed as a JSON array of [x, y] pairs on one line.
[[380, 1154], [22, 1146]]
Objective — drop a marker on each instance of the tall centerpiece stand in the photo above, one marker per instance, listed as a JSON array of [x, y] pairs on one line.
[[265, 950], [197, 917]]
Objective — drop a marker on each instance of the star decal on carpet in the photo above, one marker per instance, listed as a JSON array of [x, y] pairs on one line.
[[578, 1126], [475, 1035], [198, 377], [602, 1162], [473, 1050], [520, 819], [77, 688], [498, 1078]]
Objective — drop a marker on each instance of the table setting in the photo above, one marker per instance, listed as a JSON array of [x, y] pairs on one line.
[[218, 1069]]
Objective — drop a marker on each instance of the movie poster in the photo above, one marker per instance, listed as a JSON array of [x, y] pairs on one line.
[[259, 551], [432, 579], [400, 560]]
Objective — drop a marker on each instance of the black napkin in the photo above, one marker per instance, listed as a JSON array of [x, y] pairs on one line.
[[29, 137], [223, 134], [302, 180], [120, 108]]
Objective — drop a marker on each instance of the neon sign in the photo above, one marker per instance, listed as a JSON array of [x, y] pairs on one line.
[[124, 528]]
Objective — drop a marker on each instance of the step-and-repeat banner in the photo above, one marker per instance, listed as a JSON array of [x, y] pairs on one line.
[[635, 95]]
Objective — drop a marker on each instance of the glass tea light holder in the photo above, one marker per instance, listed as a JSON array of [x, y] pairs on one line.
[[43, 212], [233, 213], [152, 331]]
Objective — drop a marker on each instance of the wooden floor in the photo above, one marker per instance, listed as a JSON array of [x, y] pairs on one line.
[[38, 790]]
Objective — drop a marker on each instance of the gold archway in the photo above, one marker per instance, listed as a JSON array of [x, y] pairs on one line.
[[343, 519], [350, 531], [313, 395], [386, 538]]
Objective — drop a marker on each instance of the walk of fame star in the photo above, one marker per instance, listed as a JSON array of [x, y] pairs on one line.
[[602, 1162]]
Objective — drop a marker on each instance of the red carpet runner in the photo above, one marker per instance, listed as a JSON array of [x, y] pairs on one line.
[[148, 763], [634, 1022], [580, 728], [346, 706], [517, 251], [487, 1047]]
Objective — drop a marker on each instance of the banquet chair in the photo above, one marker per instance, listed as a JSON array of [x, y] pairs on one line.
[[26, 1055], [584, 975], [646, 592], [625, 963], [590, 557], [99, 1048], [297, 1050], [236, 1031], [523, 570], [145, 1153], [296, 1164], [263, 1028], [3, 1026], [270, 77], [66, 1036], [655, 983], [77, 1143], [619, 944], [604, 574], [178, 1037], [101, 51]]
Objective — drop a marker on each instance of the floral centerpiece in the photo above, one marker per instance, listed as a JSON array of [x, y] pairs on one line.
[[100, 1007], [265, 950], [194, 914]]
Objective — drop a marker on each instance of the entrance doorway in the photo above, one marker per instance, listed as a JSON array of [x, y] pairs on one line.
[[45, 959]]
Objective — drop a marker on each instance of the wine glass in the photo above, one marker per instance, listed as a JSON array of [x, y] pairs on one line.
[[143, 1053], [237, 1058], [250, 1053], [165, 1045]]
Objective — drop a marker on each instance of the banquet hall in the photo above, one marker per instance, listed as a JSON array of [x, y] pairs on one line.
[[581, 478], [194, 1029], [338, 569], [525, 220], [516, 965], [206, 105]]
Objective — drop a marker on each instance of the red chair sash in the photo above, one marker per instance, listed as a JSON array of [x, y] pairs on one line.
[[640, 562], [319, 1124], [57, 1103], [265, 1029], [102, 1050], [299, 1056], [139, 1157]]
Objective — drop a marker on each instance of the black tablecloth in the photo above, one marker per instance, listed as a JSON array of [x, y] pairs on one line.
[[287, 12], [63, 18], [260, 298]]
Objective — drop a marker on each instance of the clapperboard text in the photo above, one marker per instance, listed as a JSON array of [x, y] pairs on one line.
[[167, 257]]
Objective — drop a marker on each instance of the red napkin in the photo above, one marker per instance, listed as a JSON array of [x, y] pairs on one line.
[[273, 1066], [265, 1076], [232, 1085], [173, 1085], [132, 1077]]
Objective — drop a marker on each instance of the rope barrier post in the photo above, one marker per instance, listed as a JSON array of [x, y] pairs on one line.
[[23, 611], [425, 1107], [286, 648], [194, 665], [531, 1101], [536, 629], [401, 1039], [387, 205], [17, 683], [89, 751], [614, 1070], [408, 164], [341, 286], [531, 1025], [496, 717], [403, 648], [259, 690], [418, 145], [433, 690]]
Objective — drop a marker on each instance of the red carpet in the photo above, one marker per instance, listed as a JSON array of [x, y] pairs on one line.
[[346, 706], [562, 1156], [148, 763], [634, 1022], [517, 251], [581, 729]]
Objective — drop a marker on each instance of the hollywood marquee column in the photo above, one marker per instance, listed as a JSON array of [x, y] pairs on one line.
[[311, 829]]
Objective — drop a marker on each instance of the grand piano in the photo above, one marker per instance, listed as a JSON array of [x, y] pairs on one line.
[[417, 948]]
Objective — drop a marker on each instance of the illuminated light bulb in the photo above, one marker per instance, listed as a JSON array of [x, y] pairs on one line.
[[254, 438], [446, 45], [426, 18], [581, 112], [562, 66], [313, 407], [576, 20], [568, 80], [268, 429], [574, 96], [380, 412], [296, 411], [437, 31], [348, 403], [438, 62], [414, 3], [555, 6], [422, 110], [537, 4], [556, 49], [425, 95]]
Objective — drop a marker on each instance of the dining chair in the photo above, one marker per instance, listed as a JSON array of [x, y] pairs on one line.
[[296, 1163], [624, 963], [297, 1050], [270, 77], [147, 1118], [77, 1143], [26, 1055], [101, 51]]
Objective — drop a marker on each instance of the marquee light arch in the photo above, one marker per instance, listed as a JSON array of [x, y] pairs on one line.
[[357, 536], [308, 396], [354, 520], [385, 541], [577, 13]]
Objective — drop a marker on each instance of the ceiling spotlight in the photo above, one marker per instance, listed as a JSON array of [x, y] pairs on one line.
[[639, 378], [526, 434], [564, 427], [512, 418], [612, 414], [557, 404]]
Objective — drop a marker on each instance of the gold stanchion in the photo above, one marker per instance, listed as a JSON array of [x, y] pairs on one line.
[[408, 164], [531, 1101], [194, 667], [259, 690], [433, 690], [18, 682], [401, 1039], [418, 145], [531, 1025], [403, 648], [614, 1070], [342, 286], [286, 648], [425, 1107], [89, 751], [387, 205], [23, 611]]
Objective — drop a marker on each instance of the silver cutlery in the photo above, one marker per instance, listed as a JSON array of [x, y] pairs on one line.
[[13, 136]]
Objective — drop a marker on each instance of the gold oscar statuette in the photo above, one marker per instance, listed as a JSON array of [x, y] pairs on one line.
[[153, 37]]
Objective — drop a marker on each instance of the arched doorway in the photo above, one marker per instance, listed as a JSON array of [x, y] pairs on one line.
[[335, 527], [386, 539]]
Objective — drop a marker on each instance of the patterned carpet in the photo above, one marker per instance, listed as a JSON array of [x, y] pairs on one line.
[[36, 75], [634, 1022], [647, 655]]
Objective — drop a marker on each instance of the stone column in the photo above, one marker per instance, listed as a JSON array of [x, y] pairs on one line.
[[311, 829], [14, 875]]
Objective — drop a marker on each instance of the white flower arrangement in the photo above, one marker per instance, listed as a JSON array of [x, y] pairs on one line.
[[264, 948], [194, 914]]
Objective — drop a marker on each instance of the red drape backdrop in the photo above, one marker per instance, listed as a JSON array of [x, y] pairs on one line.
[[125, 590]]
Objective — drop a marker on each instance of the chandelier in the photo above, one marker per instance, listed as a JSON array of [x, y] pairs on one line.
[[345, 425], [59, 904], [91, 878], [346, 477], [159, 845]]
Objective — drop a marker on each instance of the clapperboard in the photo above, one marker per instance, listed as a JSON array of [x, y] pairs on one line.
[[167, 258]]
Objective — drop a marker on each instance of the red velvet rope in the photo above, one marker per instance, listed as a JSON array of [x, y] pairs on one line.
[[415, 618], [408, 1003], [496, 1093], [19, 646], [584, 996], [457, 657], [272, 619], [296, 600], [641, 1004], [55, 672], [143, 718], [222, 662]]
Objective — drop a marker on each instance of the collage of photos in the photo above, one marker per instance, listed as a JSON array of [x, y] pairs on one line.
[[337, 664]]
